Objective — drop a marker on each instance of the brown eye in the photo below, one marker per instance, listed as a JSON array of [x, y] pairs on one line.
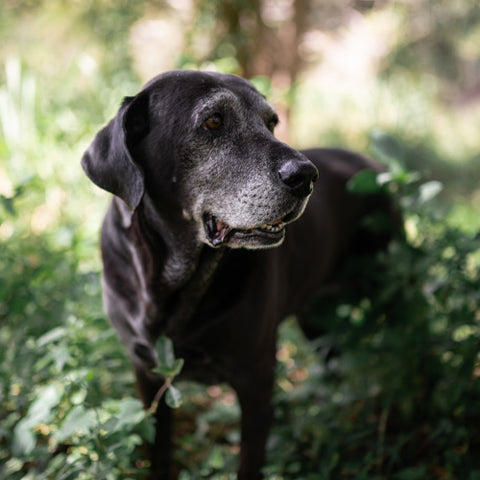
[[212, 123]]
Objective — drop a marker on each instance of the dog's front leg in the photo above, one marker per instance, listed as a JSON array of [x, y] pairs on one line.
[[162, 448], [160, 451], [254, 394]]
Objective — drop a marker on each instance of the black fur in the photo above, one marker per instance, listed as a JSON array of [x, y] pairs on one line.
[[186, 240]]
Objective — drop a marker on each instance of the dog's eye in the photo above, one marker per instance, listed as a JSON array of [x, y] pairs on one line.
[[272, 123], [213, 123]]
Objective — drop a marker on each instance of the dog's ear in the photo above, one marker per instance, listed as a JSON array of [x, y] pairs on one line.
[[108, 161]]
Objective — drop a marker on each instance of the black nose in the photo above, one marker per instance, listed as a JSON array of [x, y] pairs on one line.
[[298, 176]]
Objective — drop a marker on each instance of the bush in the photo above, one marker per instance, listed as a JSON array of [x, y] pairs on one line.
[[402, 398]]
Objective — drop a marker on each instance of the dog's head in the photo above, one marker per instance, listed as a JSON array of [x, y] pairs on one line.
[[201, 146]]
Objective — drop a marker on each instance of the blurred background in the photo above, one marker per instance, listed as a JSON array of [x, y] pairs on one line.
[[396, 80]]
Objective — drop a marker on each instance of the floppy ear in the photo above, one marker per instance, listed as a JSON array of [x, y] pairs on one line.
[[108, 161]]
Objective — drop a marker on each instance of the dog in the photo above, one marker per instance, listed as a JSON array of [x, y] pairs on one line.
[[197, 243]]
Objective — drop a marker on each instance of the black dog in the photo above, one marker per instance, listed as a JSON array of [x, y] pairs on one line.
[[202, 190]]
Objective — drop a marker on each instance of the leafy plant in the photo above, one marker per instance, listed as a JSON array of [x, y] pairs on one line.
[[390, 391], [400, 393], [169, 367]]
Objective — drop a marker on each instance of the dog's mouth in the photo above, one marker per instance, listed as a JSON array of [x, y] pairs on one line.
[[220, 233]]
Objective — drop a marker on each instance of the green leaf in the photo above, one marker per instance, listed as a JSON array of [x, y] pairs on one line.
[[168, 365], [40, 411], [79, 420], [13, 465], [405, 177], [364, 182], [162, 370], [51, 336], [23, 438], [170, 371], [130, 442], [216, 460], [173, 398], [165, 353], [130, 414], [177, 366], [429, 190]]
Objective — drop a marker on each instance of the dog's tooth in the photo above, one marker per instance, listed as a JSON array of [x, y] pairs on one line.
[[277, 227]]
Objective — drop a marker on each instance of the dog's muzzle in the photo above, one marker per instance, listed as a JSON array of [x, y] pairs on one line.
[[295, 178]]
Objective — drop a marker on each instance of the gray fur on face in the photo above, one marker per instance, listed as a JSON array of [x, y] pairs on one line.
[[233, 175]]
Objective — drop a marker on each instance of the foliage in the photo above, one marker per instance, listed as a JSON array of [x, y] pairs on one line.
[[390, 391], [58, 418], [401, 398]]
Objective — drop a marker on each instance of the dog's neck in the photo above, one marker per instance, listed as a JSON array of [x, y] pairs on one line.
[[177, 267], [183, 254]]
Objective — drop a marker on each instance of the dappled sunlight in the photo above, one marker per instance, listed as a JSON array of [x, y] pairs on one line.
[[6, 184], [391, 387]]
